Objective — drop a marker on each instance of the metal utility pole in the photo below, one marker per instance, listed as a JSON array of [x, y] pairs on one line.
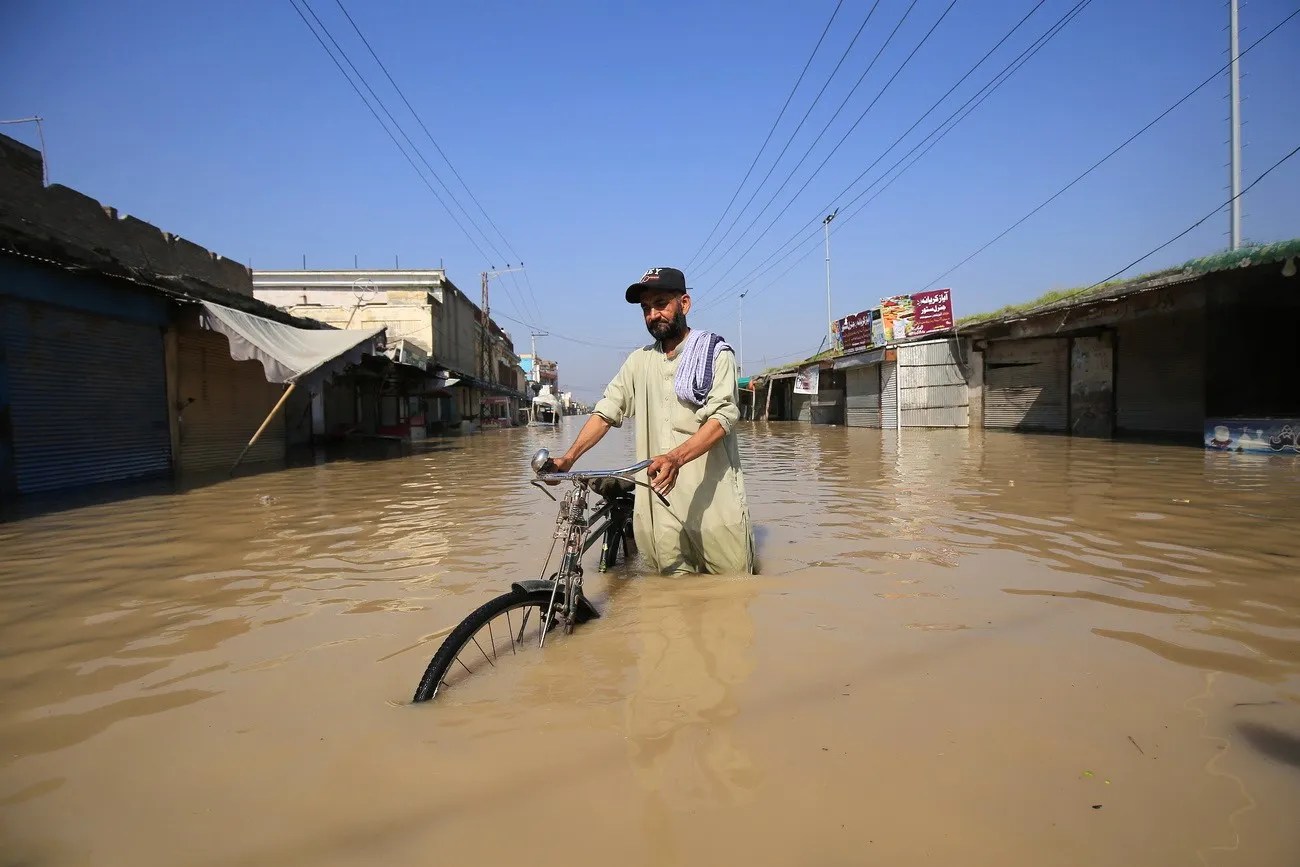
[[740, 325], [1234, 176], [830, 319], [485, 354], [535, 374]]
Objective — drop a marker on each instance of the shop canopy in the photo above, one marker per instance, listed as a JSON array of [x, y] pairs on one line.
[[297, 356], [289, 355]]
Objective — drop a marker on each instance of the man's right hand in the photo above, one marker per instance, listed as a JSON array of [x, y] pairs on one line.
[[558, 465]]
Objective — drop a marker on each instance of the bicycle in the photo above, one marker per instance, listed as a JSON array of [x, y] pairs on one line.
[[557, 600]]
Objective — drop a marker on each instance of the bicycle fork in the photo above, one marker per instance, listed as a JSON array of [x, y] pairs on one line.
[[573, 526]]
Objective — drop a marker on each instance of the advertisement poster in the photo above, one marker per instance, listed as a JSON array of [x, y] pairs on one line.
[[877, 329], [896, 312], [1260, 436], [806, 380], [907, 316], [853, 333], [931, 312]]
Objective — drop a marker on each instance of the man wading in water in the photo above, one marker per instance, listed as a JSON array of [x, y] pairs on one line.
[[682, 395]]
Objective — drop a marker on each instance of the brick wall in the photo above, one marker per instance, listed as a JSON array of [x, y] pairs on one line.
[[62, 224]]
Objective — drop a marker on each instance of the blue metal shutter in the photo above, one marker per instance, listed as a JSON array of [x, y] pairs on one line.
[[88, 397]]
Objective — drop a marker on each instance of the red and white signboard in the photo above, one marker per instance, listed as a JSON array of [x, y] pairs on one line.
[[931, 311]]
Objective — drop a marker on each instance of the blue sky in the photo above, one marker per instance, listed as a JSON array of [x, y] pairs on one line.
[[605, 138]]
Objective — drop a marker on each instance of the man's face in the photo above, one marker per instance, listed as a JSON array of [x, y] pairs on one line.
[[665, 313]]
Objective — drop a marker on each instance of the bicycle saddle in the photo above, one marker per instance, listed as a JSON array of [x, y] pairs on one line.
[[611, 488]]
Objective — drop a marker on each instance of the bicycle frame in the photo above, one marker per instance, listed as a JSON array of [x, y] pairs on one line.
[[574, 529]]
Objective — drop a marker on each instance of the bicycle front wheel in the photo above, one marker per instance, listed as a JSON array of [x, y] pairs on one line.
[[491, 634]]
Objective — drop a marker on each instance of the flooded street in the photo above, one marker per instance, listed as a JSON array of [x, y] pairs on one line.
[[964, 648]]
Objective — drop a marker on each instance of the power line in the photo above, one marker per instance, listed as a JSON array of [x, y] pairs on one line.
[[384, 126], [843, 138], [1112, 153], [379, 101], [772, 223], [1217, 210], [775, 123], [435, 144], [951, 122], [790, 139], [397, 125], [625, 347], [1007, 73]]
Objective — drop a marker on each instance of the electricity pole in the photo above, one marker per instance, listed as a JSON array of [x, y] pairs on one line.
[[830, 319], [1234, 172], [485, 355], [535, 374]]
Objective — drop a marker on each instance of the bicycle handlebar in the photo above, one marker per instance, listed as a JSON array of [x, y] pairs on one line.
[[543, 456], [592, 475]]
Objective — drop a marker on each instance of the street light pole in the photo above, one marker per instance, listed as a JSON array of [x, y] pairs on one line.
[[1234, 92], [740, 366], [830, 320]]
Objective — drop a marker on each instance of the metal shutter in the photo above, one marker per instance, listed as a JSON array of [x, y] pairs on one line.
[[88, 397], [1160, 381], [932, 385], [862, 396], [224, 401], [802, 407], [889, 395], [1027, 384]]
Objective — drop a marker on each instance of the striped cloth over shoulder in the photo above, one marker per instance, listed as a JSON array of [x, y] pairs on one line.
[[694, 377]]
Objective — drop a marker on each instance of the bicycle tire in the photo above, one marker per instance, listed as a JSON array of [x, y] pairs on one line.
[[460, 637]]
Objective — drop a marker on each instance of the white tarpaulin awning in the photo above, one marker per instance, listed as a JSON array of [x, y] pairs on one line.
[[290, 354]]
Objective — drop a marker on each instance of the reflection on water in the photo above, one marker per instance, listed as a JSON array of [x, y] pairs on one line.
[[960, 644], [692, 656]]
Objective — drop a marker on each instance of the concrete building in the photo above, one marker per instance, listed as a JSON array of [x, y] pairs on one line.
[[541, 371], [118, 361], [1204, 351], [432, 325]]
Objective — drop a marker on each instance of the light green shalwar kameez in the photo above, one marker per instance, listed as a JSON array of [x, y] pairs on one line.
[[706, 526]]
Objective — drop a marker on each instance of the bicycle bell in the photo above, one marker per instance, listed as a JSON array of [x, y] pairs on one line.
[[541, 458]]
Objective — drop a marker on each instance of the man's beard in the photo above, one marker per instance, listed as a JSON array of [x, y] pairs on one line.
[[674, 330]]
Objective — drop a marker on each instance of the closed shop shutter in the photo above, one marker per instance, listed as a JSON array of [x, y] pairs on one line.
[[1027, 385], [88, 397], [889, 395], [1160, 377], [224, 402], [802, 407], [862, 396]]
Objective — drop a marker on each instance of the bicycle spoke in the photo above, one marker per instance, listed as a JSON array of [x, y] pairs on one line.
[[474, 638], [511, 624], [492, 639]]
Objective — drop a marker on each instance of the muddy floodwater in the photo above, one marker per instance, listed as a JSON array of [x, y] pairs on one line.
[[963, 649]]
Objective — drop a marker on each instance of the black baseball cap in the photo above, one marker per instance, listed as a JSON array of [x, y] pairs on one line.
[[657, 278]]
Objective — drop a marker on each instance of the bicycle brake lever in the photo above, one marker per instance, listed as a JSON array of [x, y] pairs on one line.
[[649, 488], [542, 486]]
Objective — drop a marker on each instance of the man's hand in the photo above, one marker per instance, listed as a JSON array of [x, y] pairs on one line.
[[558, 465], [663, 473]]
